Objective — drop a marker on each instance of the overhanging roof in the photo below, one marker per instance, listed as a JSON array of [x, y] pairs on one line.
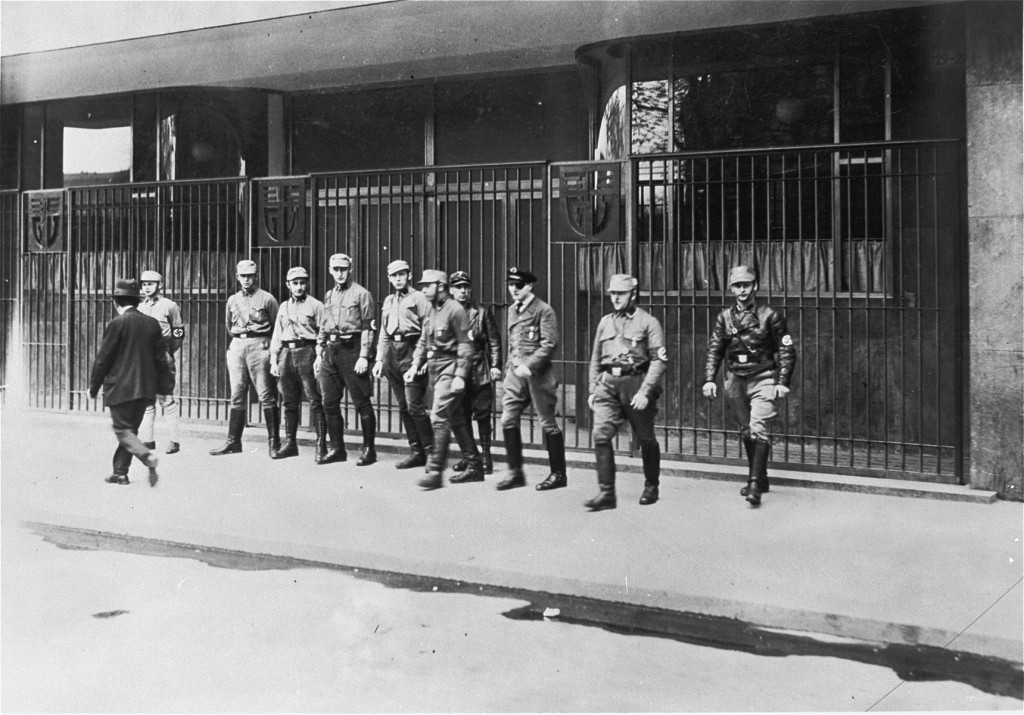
[[383, 43]]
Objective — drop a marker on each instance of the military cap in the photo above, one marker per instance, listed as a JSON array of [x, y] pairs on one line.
[[151, 277], [340, 259], [621, 283], [518, 275], [128, 287], [459, 278], [246, 268], [296, 272], [396, 266], [432, 276], [742, 274]]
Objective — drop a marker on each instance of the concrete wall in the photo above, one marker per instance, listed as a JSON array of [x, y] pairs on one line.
[[996, 258]]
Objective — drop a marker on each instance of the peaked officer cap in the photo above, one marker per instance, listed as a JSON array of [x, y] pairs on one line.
[[151, 277], [396, 266], [126, 287], [518, 274], [296, 272], [621, 283], [459, 278], [742, 274], [432, 276], [340, 259], [246, 268]]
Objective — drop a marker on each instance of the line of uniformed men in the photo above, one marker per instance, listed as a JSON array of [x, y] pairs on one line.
[[438, 336]]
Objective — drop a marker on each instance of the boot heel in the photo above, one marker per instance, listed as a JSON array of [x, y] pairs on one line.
[[753, 494]]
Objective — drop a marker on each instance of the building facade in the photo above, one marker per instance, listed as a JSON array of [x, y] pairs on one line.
[[865, 157]]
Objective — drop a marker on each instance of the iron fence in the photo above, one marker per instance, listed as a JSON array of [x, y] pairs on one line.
[[10, 249], [862, 246]]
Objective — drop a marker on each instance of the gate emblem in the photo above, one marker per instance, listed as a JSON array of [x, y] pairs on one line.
[[45, 222], [282, 210], [590, 201]]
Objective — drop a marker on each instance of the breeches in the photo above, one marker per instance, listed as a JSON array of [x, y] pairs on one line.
[[611, 409], [249, 363], [753, 402], [519, 392], [296, 380]]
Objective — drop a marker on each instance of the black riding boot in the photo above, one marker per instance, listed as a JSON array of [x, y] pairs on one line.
[[484, 428], [556, 458], [336, 437], [650, 453], [369, 454], [291, 427], [272, 416], [419, 450], [514, 456], [236, 423], [759, 473], [605, 498], [434, 478], [471, 456], [320, 426]]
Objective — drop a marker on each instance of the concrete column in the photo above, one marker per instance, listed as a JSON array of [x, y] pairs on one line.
[[996, 238]]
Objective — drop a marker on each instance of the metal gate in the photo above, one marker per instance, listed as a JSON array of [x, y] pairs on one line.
[[862, 246], [9, 284], [482, 219], [79, 240]]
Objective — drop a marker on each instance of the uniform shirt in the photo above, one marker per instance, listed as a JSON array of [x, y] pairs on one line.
[[350, 309], [629, 339], [297, 320], [445, 337], [532, 334], [167, 313], [402, 313], [253, 312]]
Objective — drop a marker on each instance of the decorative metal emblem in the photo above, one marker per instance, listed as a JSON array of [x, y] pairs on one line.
[[45, 222], [282, 211], [589, 198]]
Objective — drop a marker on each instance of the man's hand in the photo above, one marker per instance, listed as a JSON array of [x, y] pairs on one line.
[[410, 374], [274, 369], [166, 400], [458, 385], [317, 363], [362, 365], [639, 401], [495, 374], [522, 371], [710, 390], [781, 391], [378, 369], [422, 370], [590, 401]]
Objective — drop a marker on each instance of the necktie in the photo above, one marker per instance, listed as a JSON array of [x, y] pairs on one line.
[[393, 320]]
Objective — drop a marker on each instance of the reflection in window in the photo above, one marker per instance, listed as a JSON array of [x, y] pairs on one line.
[[97, 155], [610, 138], [650, 117]]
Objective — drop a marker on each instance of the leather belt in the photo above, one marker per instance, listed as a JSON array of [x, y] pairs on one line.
[[292, 344], [619, 371], [251, 335], [341, 337], [408, 337]]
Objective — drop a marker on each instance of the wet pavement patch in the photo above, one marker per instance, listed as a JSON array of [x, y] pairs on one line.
[[909, 662]]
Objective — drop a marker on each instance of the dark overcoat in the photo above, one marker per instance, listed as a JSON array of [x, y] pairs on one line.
[[132, 362]]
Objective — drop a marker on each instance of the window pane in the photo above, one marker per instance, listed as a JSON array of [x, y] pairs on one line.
[[97, 155]]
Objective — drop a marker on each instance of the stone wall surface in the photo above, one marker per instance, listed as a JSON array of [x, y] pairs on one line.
[[996, 249]]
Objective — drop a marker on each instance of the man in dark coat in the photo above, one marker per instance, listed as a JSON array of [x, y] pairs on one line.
[[133, 367]]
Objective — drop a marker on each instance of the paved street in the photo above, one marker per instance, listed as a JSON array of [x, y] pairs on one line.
[[88, 631], [828, 570]]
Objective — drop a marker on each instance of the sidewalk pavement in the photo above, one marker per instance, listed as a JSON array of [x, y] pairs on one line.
[[825, 563]]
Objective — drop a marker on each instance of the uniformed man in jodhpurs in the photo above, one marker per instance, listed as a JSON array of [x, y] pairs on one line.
[[530, 378], [250, 317], [626, 368], [166, 312], [346, 350], [447, 353], [292, 359], [401, 323], [759, 358], [478, 400]]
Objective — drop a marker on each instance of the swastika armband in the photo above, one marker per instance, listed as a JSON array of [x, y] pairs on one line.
[[178, 332], [663, 354], [787, 340]]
